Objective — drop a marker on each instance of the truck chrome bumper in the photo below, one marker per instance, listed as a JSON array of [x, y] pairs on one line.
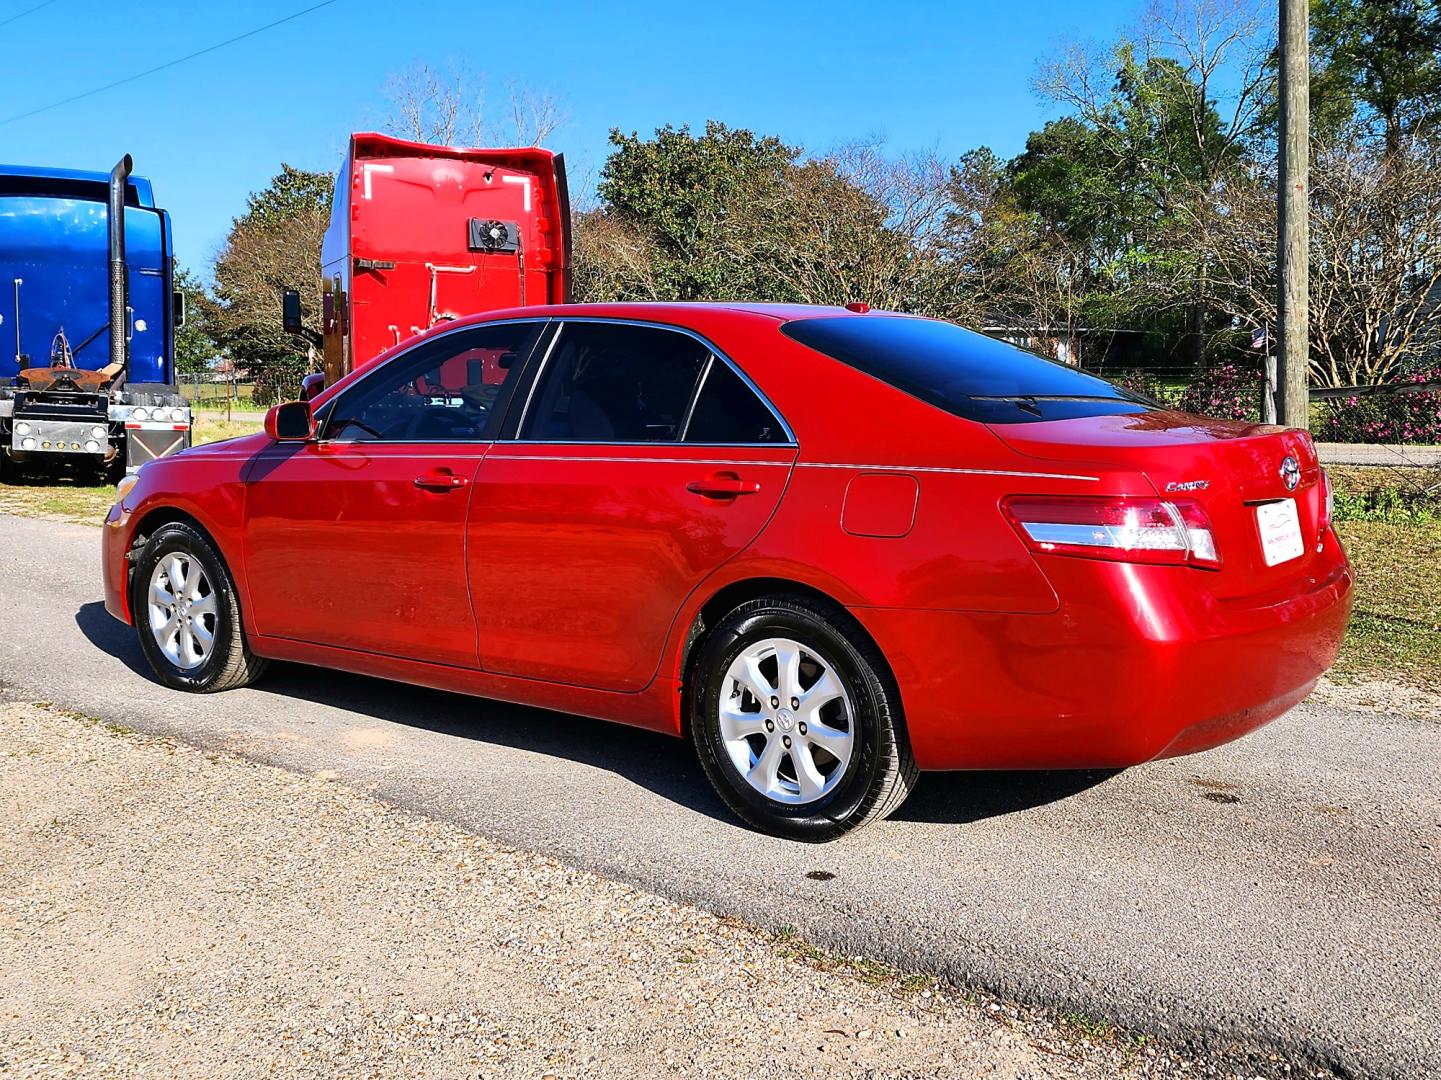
[[59, 437]]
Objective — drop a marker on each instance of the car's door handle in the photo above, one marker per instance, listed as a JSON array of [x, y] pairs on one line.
[[723, 487], [440, 480]]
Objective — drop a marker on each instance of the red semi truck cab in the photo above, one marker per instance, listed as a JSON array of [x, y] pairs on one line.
[[421, 234]]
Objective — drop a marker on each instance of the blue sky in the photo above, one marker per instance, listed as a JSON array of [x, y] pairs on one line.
[[944, 76]]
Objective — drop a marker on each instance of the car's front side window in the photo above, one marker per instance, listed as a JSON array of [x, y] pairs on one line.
[[450, 389], [615, 382]]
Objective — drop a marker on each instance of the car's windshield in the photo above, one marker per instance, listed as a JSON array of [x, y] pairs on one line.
[[965, 373]]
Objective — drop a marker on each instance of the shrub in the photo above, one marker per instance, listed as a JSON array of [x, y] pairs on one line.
[[1399, 505], [1383, 417], [1227, 391], [1143, 383]]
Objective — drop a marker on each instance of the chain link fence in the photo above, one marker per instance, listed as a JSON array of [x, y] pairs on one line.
[[211, 393], [1383, 441], [1405, 412]]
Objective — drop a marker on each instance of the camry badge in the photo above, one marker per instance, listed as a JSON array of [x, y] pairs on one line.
[[1188, 485], [1290, 473]]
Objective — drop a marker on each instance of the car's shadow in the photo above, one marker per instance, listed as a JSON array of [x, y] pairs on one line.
[[661, 764]]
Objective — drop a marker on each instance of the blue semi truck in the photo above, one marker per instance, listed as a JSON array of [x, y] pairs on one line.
[[88, 318]]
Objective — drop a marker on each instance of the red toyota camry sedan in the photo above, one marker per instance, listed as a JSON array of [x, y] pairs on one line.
[[831, 547]]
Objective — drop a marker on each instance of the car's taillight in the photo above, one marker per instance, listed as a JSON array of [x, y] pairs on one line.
[[1328, 503], [1173, 531]]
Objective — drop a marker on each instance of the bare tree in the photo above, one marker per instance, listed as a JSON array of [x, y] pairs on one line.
[[614, 260], [447, 107], [1196, 72], [854, 224], [1172, 110], [1375, 258], [534, 114]]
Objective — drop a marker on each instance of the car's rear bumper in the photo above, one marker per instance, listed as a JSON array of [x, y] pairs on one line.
[[1130, 668]]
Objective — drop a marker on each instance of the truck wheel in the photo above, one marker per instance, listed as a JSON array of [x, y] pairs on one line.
[[187, 616], [797, 721]]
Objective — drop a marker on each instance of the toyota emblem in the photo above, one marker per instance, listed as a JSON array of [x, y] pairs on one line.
[[1290, 473]]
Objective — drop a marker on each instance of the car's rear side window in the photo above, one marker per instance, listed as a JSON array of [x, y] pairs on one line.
[[728, 411], [963, 372], [615, 382]]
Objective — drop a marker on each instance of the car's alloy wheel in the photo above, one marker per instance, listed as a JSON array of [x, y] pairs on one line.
[[186, 613], [786, 721], [182, 610], [796, 719]]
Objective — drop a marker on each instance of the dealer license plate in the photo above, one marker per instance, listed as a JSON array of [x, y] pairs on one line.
[[1280, 527]]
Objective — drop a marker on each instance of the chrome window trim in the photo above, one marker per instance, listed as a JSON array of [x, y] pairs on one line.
[[597, 458], [942, 469], [695, 396], [535, 379], [715, 354], [667, 442], [330, 406]]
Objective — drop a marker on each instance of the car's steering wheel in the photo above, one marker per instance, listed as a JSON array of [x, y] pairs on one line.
[[416, 426]]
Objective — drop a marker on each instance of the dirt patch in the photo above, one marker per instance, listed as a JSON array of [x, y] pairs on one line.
[[165, 911], [1377, 695]]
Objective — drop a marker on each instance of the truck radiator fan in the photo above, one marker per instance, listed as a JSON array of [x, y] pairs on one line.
[[492, 236]]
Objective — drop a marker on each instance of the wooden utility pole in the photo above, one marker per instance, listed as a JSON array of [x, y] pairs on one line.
[[1293, 202]]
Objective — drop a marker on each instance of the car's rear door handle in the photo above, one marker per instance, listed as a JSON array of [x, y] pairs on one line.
[[723, 487], [440, 480]]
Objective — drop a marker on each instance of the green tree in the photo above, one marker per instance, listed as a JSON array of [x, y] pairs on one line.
[[195, 347], [1134, 180], [273, 246], [1378, 61], [730, 215], [681, 192]]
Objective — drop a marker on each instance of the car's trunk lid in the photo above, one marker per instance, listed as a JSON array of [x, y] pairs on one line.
[[1232, 469]]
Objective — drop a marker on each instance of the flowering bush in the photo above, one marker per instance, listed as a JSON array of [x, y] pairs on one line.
[[1143, 383], [1383, 417], [1227, 391]]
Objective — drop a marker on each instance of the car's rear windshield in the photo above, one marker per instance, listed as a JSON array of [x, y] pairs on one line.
[[965, 373]]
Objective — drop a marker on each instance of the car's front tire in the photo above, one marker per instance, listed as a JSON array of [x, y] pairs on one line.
[[797, 720], [186, 614]]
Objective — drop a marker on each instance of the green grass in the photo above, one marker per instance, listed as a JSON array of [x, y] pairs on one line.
[[217, 395], [211, 427], [1389, 520], [871, 972], [1395, 631]]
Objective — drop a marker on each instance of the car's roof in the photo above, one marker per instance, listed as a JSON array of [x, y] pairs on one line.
[[671, 309]]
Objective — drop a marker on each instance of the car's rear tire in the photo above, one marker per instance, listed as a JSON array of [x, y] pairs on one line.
[[186, 615], [797, 720]]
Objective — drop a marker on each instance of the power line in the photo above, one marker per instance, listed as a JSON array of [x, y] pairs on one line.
[[27, 11], [161, 67]]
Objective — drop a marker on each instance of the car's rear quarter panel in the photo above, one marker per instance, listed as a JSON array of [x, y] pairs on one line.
[[1004, 660]]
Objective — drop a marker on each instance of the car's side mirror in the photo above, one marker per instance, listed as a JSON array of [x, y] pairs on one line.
[[312, 385], [291, 421], [290, 312], [177, 305]]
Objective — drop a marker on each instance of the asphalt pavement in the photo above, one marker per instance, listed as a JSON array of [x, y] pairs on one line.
[[1281, 895]]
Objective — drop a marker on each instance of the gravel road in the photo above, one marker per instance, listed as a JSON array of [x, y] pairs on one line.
[[169, 912], [1280, 894]]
